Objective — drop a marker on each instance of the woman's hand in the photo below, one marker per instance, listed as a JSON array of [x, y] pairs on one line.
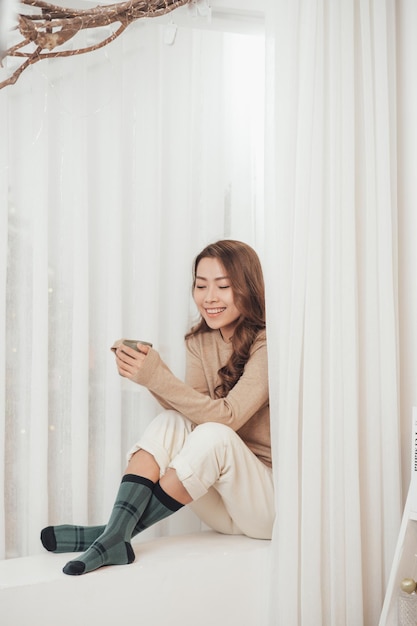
[[128, 360]]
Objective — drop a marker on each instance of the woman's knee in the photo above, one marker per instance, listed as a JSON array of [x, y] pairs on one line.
[[212, 433], [169, 418], [168, 425], [164, 437]]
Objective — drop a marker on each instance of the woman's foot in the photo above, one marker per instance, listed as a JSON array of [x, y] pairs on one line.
[[70, 538]]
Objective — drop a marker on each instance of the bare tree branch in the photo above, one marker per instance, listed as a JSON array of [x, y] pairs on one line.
[[51, 27]]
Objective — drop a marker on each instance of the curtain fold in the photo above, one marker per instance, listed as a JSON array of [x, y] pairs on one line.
[[4, 145], [332, 294]]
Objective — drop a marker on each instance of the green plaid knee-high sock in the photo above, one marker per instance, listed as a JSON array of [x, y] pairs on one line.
[[72, 538], [113, 546], [105, 551]]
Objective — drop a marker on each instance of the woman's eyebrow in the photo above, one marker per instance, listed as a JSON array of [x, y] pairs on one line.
[[218, 278]]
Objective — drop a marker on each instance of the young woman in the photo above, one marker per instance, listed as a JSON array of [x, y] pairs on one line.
[[210, 447]]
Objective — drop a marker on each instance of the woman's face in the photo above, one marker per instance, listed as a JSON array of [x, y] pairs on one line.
[[213, 295]]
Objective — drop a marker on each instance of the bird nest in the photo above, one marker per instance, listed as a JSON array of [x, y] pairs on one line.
[[43, 30]]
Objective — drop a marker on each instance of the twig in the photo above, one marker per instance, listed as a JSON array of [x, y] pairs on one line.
[[55, 26]]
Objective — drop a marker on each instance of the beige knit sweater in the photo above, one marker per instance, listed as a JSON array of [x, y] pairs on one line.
[[245, 408]]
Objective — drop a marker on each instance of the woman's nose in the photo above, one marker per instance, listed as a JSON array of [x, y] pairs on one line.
[[211, 295]]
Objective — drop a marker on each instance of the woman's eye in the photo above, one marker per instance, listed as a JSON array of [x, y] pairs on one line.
[[224, 286], [200, 286]]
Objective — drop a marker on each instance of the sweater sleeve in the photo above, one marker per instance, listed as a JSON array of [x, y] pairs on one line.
[[194, 371], [249, 395]]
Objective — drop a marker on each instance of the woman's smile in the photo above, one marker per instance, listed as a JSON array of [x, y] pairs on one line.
[[215, 312]]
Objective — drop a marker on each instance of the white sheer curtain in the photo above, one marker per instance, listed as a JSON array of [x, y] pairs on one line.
[[332, 293], [115, 169]]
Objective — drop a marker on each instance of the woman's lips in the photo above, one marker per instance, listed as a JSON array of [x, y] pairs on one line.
[[215, 311]]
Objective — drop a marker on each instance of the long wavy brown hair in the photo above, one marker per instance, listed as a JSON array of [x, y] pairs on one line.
[[244, 269]]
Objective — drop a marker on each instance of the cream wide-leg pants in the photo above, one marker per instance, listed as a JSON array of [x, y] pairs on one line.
[[232, 490]]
